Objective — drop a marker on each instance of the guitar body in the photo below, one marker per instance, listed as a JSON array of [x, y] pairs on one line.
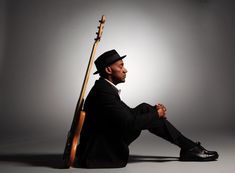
[[77, 136], [79, 116], [72, 142]]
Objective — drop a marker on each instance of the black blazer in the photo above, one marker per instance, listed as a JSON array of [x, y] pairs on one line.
[[109, 121]]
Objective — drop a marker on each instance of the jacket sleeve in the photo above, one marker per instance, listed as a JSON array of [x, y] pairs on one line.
[[145, 116], [120, 116]]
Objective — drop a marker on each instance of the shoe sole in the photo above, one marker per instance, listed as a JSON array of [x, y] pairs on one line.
[[214, 158]]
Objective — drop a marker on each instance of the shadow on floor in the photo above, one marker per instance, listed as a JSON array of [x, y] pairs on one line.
[[56, 161], [41, 160], [141, 158]]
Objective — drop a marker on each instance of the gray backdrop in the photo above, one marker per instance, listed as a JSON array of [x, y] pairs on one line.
[[180, 53]]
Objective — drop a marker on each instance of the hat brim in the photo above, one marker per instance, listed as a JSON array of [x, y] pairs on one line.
[[97, 72]]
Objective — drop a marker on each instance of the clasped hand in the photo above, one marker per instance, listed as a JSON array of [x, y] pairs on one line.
[[161, 109]]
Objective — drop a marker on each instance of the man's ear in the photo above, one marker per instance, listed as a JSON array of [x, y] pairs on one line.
[[108, 70]]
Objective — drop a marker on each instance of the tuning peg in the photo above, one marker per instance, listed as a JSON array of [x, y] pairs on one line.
[[102, 19], [97, 39]]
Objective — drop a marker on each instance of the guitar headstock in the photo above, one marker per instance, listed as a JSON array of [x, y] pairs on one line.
[[100, 27]]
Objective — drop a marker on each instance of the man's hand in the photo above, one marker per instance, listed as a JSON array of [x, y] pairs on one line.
[[161, 109]]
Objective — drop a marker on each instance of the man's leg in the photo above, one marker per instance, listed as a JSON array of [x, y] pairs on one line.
[[161, 127], [168, 132], [190, 151]]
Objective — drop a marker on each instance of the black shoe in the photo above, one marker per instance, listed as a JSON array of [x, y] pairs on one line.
[[198, 153]]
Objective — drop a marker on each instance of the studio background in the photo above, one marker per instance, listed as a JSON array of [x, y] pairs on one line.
[[180, 53]]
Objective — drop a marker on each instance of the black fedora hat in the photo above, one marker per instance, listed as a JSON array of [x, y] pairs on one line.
[[106, 59]]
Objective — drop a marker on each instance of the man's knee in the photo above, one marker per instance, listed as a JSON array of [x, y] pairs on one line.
[[144, 107]]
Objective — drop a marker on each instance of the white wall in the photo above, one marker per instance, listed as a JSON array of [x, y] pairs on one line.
[[180, 53]]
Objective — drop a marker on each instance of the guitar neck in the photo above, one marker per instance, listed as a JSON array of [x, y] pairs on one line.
[[80, 102], [88, 71]]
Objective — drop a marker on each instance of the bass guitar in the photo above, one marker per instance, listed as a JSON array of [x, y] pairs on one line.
[[79, 115]]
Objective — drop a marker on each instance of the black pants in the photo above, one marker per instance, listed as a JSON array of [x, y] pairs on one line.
[[160, 127]]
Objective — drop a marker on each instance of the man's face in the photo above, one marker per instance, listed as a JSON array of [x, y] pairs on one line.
[[117, 72]]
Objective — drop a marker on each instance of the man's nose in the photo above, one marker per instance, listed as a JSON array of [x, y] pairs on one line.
[[125, 70]]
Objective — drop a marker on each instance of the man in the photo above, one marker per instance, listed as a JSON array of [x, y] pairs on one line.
[[110, 125]]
